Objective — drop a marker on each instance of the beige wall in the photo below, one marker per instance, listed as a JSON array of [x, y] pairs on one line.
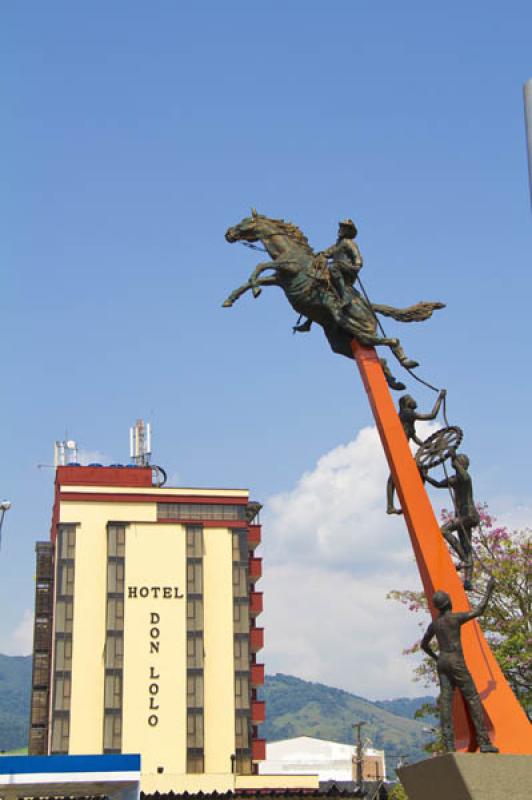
[[219, 653], [154, 701], [88, 641]]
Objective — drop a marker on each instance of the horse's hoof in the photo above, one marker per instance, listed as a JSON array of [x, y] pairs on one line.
[[396, 385], [257, 292], [227, 304], [409, 363]]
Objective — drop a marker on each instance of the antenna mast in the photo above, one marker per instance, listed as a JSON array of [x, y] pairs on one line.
[[140, 443]]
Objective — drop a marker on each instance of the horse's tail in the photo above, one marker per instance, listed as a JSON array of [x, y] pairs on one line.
[[415, 313]]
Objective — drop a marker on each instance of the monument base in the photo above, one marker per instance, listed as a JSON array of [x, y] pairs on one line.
[[469, 776]]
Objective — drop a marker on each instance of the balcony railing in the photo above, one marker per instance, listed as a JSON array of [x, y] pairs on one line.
[[258, 711], [255, 603], [255, 568], [257, 674], [258, 750], [256, 639]]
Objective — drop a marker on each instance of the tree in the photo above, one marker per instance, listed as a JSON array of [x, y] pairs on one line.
[[507, 622], [398, 793]]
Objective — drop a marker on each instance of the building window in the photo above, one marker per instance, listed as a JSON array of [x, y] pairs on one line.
[[195, 654], [241, 615], [64, 616], [195, 650], [242, 652], [116, 541], [194, 541], [65, 579], [201, 511], [195, 689], [115, 613], [39, 707], [240, 581], [66, 542], [242, 725], [41, 669], [63, 654], [64, 621], [113, 690], [112, 733], [62, 693], [115, 576], [114, 642], [242, 692], [194, 576], [114, 651], [194, 613], [195, 760], [195, 728], [60, 733]]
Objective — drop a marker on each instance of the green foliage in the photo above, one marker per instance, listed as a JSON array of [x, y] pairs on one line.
[[398, 792], [505, 555], [15, 688], [295, 707]]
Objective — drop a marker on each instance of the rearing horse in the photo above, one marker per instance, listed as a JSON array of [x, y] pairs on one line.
[[303, 276]]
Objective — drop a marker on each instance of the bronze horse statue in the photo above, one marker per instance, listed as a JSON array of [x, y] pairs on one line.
[[303, 276]]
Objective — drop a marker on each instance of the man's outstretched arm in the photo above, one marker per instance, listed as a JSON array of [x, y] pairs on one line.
[[434, 413], [477, 611]]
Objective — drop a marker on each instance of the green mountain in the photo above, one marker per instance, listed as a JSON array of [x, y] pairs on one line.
[[295, 707], [15, 685]]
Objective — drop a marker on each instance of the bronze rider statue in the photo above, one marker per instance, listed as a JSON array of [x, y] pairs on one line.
[[343, 271]]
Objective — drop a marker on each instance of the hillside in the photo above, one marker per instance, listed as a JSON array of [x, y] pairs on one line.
[[295, 707], [15, 683]]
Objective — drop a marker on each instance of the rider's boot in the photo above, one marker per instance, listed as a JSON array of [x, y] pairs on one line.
[[392, 382], [304, 327], [400, 354]]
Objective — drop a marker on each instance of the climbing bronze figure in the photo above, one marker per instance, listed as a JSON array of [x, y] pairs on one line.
[[409, 415], [457, 531], [452, 669], [299, 272]]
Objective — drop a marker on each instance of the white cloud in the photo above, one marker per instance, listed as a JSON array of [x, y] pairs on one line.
[[331, 555], [20, 641]]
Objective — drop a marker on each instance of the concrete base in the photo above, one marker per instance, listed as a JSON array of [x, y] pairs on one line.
[[469, 776]]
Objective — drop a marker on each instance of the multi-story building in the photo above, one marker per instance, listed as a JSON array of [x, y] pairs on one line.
[[146, 634]]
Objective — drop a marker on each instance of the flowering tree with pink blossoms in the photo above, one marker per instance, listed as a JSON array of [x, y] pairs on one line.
[[507, 622]]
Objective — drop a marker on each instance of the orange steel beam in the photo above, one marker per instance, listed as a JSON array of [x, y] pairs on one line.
[[508, 724]]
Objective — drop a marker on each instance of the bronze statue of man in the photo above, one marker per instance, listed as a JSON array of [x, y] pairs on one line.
[[343, 271], [409, 415], [467, 517], [452, 669]]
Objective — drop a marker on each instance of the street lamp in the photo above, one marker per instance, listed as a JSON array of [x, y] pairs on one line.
[[5, 505]]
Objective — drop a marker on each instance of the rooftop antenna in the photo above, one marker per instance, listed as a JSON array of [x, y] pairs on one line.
[[65, 452], [140, 443]]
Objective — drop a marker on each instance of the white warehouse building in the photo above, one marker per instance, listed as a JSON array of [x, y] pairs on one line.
[[331, 761]]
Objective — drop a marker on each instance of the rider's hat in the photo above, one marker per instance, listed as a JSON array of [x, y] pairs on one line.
[[349, 227]]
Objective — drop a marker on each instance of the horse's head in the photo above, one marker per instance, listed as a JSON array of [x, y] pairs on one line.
[[250, 229]]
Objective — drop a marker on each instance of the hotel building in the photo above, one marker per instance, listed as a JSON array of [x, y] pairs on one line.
[[146, 636]]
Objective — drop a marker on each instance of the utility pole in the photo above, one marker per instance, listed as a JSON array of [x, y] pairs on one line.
[[527, 90], [359, 758]]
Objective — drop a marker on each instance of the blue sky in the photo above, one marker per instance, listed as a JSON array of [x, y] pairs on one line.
[[134, 134]]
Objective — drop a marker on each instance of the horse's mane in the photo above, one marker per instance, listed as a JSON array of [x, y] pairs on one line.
[[292, 230]]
